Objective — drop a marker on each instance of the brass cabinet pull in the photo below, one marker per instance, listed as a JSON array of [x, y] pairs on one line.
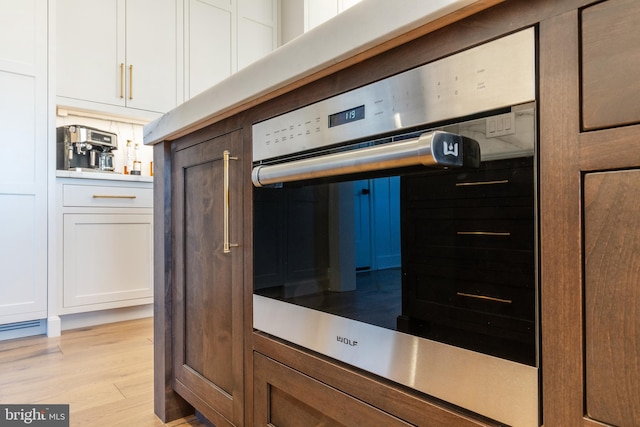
[[467, 184], [483, 233], [130, 81], [225, 159], [121, 80], [108, 196], [484, 297]]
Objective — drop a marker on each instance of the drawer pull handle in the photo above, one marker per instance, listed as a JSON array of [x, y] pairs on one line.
[[484, 297], [226, 245], [483, 233], [468, 184], [106, 196]]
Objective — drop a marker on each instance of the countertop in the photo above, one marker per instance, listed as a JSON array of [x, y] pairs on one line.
[[360, 32], [111, 176]]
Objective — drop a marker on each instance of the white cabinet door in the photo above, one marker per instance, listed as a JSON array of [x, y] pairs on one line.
[[90, 51], [117, 53], [108, 261], [23, 161], [151, 52], [257, 30], [209, 46], [224, 36], [319, 11]]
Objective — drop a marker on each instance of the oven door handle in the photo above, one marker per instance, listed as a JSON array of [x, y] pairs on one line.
[[436, 149]]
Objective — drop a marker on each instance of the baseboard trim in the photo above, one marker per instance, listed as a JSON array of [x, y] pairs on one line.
[[93, 318]]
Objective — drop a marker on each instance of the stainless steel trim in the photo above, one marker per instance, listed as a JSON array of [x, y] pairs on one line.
[[430, 149], [496, 388], [75, 134], [494, 75]]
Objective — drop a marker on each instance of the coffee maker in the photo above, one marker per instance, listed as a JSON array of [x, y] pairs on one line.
[[84, 148]]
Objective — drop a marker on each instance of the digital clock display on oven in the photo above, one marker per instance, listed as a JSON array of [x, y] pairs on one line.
[[346, 116]]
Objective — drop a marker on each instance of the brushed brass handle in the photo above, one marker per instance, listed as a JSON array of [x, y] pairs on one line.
[[484, 297], [468, 184], [108, 196], [130, 81], [483, 233], [225, 164], [121, 80]]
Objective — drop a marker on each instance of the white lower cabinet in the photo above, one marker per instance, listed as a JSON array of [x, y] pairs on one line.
[[108, 260], [106, 245]]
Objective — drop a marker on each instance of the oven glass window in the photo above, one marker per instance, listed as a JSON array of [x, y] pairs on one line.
[[447, 255]]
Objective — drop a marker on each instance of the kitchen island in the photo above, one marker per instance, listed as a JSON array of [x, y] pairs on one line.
[[234, 375]]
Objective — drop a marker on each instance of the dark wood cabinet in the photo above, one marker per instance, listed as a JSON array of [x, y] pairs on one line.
[[207, 288], [285, 397], [612, 296], [610, 64]]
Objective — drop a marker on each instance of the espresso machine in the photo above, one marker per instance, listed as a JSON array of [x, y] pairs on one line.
[[84, 148]]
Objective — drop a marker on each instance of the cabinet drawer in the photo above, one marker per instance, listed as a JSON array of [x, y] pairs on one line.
[[107, 196], [285, 397], [610, 62]]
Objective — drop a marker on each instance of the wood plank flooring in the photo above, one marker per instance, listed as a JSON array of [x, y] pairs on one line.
[[105, 374]]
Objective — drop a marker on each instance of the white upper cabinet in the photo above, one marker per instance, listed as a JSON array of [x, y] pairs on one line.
[[23, 160], [257, 30], [118, 56], [319, 11], [151, 49], [224, 36], [208, 47]]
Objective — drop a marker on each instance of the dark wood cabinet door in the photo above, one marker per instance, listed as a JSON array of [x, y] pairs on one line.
[[207, 280], [284, 397], [612, 296]]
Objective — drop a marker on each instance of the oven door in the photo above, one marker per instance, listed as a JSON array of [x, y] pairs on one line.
[[422, 275]]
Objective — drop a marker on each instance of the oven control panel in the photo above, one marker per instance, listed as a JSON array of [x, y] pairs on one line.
[[497, 74]]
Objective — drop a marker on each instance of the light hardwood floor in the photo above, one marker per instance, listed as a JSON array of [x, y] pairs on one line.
[[105, 374]]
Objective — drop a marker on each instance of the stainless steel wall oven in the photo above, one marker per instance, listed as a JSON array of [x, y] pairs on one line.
[[395, 228]]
